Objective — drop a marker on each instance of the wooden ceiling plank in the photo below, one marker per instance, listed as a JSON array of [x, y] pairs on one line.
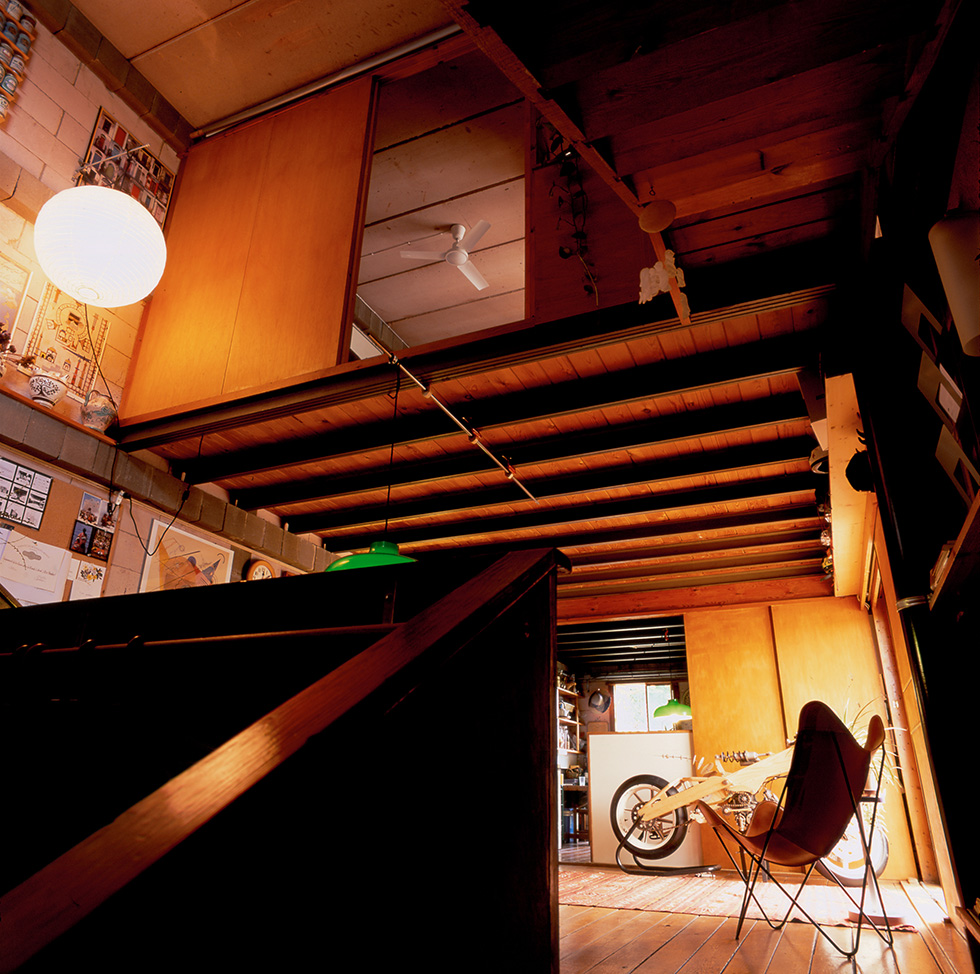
[[602, 554], [671, 601], [769, 555], [819, 202], [583, 38], [580, 484], [849, 88], [703, 201], [723, 573], [523, 342], [562, 447], [646, 505], [576, 541], [518, 407], [746, 55], [735, 164]]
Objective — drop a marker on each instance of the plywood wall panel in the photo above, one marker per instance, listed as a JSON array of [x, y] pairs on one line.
[[826, 651], [261, 257], [616, 248], [298, 279], [751, 669], [183, 346], [735, 698]]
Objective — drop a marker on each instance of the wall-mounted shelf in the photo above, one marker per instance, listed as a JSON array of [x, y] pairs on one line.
[[569, 728], [18, 32]]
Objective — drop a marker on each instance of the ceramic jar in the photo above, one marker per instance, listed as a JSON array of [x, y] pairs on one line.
[[98, 411]]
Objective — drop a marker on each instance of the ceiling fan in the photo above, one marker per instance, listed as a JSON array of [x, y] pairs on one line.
[[459, 254]]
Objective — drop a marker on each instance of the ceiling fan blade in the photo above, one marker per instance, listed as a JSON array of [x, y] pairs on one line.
[[472, 237], [475, 277], [425, 254]]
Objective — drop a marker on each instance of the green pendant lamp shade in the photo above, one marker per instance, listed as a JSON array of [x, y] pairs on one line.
[[380, 553], [673, 708]]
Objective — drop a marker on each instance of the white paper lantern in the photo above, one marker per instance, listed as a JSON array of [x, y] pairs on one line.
[[100, 246]]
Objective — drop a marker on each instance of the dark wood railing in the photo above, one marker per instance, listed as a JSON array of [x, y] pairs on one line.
[[68, 889]]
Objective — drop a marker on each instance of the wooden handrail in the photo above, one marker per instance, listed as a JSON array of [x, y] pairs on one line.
[[55, 898], [245, 640]]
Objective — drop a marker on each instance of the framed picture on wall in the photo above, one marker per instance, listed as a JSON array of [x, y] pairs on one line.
[[181, 560], [117, 160], [23, 493], [68, 338], [93, 529]]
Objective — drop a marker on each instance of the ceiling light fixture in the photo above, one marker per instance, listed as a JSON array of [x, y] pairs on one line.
[[99, 245], [657, 216]]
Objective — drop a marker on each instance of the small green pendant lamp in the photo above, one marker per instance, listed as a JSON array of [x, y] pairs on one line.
[[379, 553], [673, 708]]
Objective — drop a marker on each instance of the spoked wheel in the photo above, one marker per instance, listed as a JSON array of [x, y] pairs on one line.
[[656, 838], [846, 859]]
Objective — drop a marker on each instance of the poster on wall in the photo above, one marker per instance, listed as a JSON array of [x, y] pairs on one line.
[[14, 281], [23, 493], [180, 560], [69, 339], [93, 529], [117, 160], [33, 572]]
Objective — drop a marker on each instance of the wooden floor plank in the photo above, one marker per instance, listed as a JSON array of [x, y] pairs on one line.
[[947, 944], [583, 918], [716, 952], [674, 954], [577, 944], [628, 957], [601, 940], [589, 933], [756, 946], [794, 951], [590, 957], [872, 957]]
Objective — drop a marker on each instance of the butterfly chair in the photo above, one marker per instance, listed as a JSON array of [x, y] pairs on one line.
[[826, 779]]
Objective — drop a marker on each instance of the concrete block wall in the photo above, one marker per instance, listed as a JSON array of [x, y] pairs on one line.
[[42, 142], [31, 434], [72, 73], [50, 121]]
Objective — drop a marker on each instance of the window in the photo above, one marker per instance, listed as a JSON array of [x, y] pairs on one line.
[[635, 703]]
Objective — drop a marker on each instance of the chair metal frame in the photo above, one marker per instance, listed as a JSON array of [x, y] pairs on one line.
[[767, 835]]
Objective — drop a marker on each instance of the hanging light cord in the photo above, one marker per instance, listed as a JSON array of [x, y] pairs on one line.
[[391, 450], [98, 364]]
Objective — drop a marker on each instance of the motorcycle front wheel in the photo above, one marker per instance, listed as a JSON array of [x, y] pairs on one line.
[[656, 838]]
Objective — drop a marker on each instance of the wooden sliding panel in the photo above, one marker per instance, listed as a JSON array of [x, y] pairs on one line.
[[735, 698], [262, 254], [182, 349], [826, 651]]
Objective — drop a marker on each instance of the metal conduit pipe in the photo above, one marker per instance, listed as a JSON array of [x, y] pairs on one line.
[[472, 434], [362, 67]]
